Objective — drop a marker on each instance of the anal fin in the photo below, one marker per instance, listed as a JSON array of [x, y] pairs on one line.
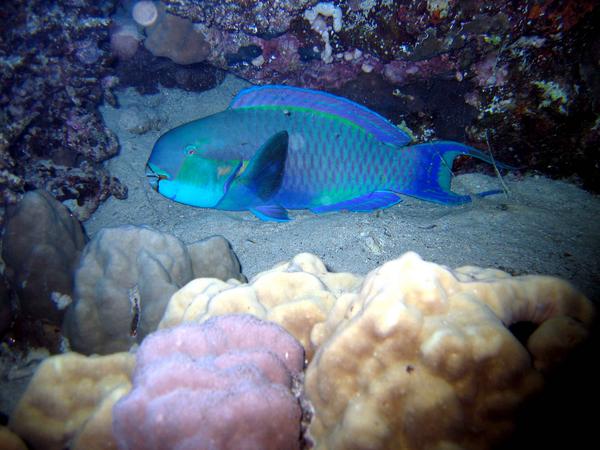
[[271, 213]]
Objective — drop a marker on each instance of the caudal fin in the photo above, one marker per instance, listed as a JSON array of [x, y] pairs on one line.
[[435, 172]]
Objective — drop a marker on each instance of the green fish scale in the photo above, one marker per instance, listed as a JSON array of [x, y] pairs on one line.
[[362, 163]]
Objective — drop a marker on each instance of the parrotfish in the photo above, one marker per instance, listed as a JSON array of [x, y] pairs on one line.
[[277, 148]]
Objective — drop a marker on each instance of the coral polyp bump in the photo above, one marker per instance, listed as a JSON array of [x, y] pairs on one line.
[[413, 355]]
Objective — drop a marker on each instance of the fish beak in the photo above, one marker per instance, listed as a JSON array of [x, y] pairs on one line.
[[153, 177]]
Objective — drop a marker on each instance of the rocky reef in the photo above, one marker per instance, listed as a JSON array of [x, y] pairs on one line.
[[516, 77], [94, 289], [54, 72]]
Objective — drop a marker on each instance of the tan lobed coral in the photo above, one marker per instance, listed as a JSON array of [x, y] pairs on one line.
[[420, 357], [41, 247], [125, 278], [296, 295], [10, 441], [69, 401], [176, 38]]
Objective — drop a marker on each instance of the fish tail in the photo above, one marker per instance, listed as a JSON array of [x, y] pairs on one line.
[[434, 171]]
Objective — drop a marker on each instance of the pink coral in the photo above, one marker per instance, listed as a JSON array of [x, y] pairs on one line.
[[224, 384]]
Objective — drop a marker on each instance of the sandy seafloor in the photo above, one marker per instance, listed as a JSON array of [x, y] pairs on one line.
[[543, 226]]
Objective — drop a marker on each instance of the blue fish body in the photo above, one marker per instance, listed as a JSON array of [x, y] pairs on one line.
[[278, 148]]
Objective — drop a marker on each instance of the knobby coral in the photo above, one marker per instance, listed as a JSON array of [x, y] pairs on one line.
[[224, 384], [421, 356], [412, 356], [41, 247], [175, 38], [296, 295], [125, 278], [10, 441], [69, 401], [415, 355]]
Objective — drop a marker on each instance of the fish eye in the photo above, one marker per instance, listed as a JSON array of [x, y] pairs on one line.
[[191, 150]]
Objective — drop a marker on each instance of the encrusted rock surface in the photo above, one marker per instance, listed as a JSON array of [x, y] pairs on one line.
[[54, 71]]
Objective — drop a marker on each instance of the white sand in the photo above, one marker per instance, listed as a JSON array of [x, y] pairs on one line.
[[546, 226]]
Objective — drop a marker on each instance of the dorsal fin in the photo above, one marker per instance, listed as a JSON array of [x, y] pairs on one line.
[[277, 95]]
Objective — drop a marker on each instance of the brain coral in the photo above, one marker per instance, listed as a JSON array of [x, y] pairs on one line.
[[420, 357], [69, 401], [224, 384], [41, 247], [296, 295], [124, 280]]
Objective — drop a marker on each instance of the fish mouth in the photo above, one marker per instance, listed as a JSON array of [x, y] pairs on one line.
[[153, 177]]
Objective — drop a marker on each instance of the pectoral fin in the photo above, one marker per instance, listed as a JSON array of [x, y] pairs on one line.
[[264, 173], [260, 181]]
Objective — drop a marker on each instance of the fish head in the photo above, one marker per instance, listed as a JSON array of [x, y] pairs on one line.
[[179, 170]]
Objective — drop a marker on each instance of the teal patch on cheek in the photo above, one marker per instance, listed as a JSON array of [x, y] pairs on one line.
[[157, 170], [167, 188], [190, 195], [200, 182]]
